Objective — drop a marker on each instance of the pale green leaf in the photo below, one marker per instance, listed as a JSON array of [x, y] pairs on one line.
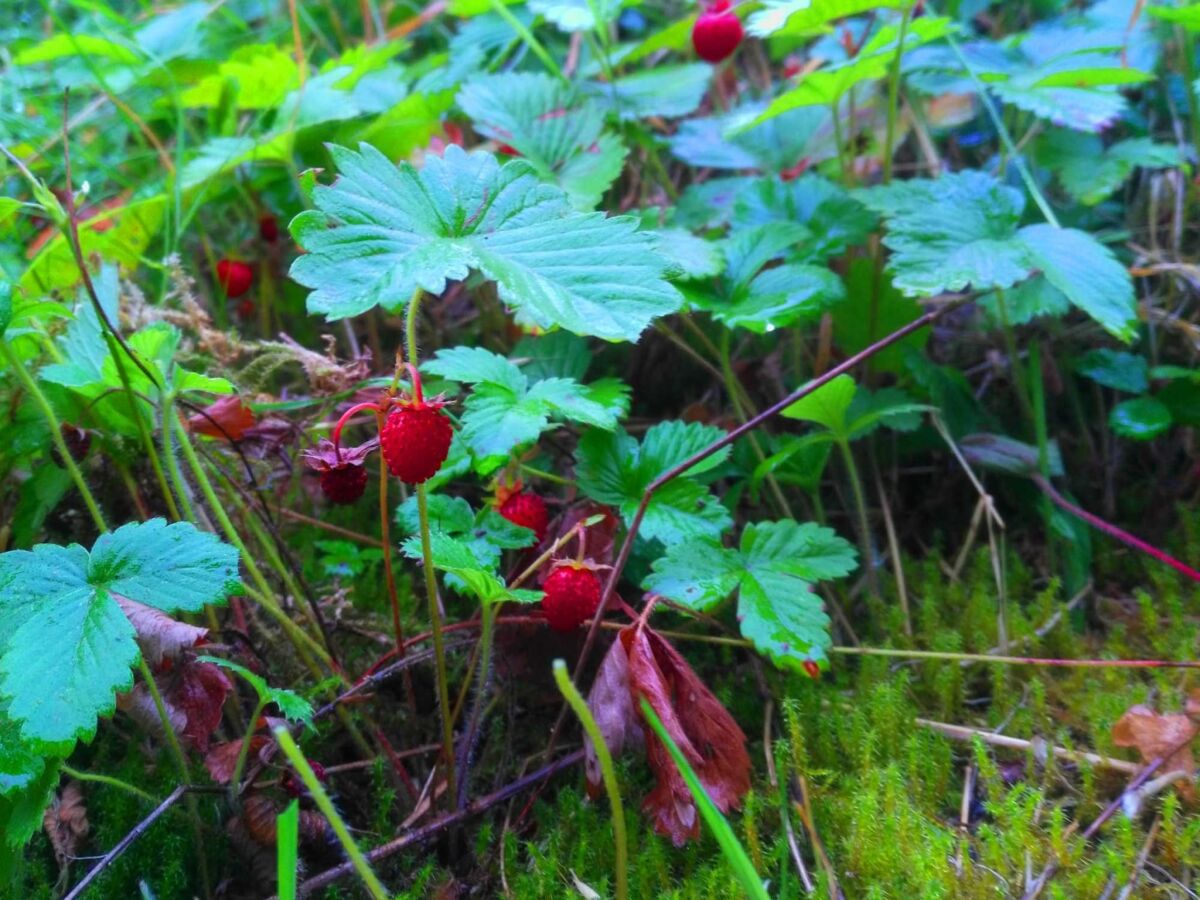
[[1087, 273], [397, 229]]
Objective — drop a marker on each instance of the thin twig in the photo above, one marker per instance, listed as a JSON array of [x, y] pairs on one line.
[[425, 832], [966, 733], [124, 844]]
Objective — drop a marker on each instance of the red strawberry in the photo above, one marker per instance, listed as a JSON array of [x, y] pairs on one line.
[[78, 442], [528, 511], [234, 276], [344, 484], [717, 32], [343, 478], [416, 440], [508, 150], [572, 596], [268, 228], [813, 670]]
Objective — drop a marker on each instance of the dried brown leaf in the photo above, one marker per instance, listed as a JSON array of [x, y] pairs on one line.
[[221, 759], [198, 690], [1155, 735], [611, 703], [139, 705], [226, 418], [159, 636], [66, 823], [706, 733]]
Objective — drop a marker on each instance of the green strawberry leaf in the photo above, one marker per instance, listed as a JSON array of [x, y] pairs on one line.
[[759, 298], [827, 405], [774, 571], [1087, 273], [380, 232], [294, 707], [832, 218], [1091, 172], [951, 233], [1115, 369], [21, 813], [504, 410], [66, 647], [666, 91], [556, 129], [457, 557], [20, 766], [613, 468], [1141, 419]]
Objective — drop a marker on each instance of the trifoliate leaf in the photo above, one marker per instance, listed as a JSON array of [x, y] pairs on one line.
[[66, 647], [294, 707], [761, 299], [1087, 273], [396, 229], [1142, 418], [833, 219], [484, 535], [774, 571], [504, 410], [456, 557], [951, 233], [1091, 172], [613, 468], [1115, 369], [556, 129]]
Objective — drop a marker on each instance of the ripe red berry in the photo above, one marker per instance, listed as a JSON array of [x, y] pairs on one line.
[[528, 511], [572, 596], [416, 440], [234, 276], [508, 150], [717, 32], [344, 484], [268, 228], [813, 670], [78, 442]]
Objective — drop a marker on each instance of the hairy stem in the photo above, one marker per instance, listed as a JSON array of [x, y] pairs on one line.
[[435, 612]]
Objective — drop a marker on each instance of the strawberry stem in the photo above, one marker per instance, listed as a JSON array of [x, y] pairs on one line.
[[373, 405], [418, 396]]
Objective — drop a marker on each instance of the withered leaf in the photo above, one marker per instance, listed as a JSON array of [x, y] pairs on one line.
[[1156, 734], [66, 823], [198, 690], [139, 705], [611, 703], [226, 418], [704, 730], [159, 636], [221, 759]]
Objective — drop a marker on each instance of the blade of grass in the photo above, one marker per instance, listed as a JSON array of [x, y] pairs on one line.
[[611, 786], [731, 848], [370, 880], [287, 830]]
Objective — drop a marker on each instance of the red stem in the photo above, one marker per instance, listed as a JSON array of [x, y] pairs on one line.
[[1112, 530], [374, 406], [418, 396]]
